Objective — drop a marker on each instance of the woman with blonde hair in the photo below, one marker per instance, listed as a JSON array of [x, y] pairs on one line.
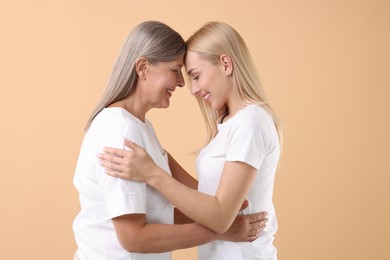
[[241, 156], [122, 219]]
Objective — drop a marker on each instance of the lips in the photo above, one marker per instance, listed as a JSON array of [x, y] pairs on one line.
[[206, 97], [169, 91]]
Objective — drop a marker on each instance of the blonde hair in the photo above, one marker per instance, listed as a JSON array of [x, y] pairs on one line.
[[210, 42], [151, 39]]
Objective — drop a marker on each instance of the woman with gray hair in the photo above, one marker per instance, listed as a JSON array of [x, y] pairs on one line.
[[122, 219]]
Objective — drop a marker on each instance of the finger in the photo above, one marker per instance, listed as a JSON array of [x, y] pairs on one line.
[[262, 225], [111, 166], [117, 174], [112, 173], [116, 151], [110, 158], [254, 235], [255, 217], [252, 238], [132, 145], [258, 226]]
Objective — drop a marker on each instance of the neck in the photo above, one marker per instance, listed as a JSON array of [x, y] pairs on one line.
[[134, 105], [234, 104]]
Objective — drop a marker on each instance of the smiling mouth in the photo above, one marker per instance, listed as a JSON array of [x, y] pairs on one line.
[[169, 91], [206, 97]]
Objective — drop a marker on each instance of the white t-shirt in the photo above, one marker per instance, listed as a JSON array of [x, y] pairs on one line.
[[249, 136], [103, 197]]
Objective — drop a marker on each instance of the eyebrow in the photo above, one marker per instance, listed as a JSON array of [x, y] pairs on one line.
[[190, 71], [178, 65]]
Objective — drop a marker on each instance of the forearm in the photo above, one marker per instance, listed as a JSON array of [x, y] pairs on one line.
[[157, 238], [180, 218], [202, 208], [180, 174]]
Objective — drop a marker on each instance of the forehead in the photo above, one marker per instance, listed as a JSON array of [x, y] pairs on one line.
[[192, 57], [178, 63], [193, 61]]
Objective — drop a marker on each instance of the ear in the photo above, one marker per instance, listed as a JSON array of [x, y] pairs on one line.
[[141, 67], [227, 64]]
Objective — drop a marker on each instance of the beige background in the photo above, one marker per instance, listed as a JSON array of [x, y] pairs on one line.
[[324, 64]]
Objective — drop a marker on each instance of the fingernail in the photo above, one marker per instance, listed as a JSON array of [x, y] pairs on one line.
[[99, 155]]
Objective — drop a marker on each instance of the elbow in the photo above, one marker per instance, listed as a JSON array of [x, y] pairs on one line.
[[220, 224], [221, 227], [133, 245], [129, 247], [219, 231]]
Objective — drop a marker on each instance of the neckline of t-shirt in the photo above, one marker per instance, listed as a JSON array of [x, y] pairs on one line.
[[235, 115], [136, 119]]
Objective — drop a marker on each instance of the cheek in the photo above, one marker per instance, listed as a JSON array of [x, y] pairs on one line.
[[206, 83], [214, 81], [170, 81]]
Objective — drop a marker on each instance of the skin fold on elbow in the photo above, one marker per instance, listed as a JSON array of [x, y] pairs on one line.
[[221, 227], [219, 224], [132, 233], [134, 245]]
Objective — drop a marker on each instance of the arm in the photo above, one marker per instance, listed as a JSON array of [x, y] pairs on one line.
[[180, 174], [222, 208], [135, 235], [180, 218]]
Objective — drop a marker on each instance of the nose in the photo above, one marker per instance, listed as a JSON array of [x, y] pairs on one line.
[[194, 89], [180, 80]]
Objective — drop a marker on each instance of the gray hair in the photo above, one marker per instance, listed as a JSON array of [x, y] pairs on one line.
[[153, 40]]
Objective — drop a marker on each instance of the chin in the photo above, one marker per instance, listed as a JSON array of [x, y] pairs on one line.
[[165, 105]]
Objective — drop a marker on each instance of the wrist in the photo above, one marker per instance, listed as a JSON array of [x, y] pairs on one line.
[[155, 176]]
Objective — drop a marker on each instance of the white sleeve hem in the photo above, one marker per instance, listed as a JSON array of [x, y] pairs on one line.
[[121, 204]]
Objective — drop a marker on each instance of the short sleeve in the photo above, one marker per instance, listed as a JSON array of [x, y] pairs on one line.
[[120, 196], [247, 141]]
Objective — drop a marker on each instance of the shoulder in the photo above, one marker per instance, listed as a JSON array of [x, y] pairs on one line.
[[112, 121], [107, 119], [256, 123], [253, 117], [257, 111]]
